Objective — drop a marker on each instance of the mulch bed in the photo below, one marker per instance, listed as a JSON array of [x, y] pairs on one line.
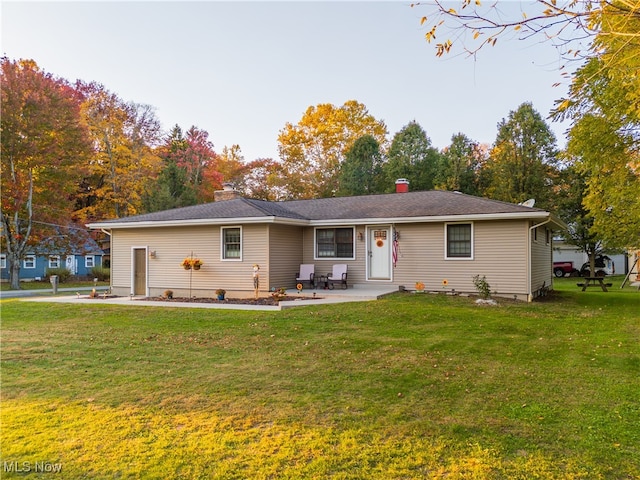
[[227, 301]]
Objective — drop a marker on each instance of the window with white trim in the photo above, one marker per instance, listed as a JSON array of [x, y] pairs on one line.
[[54, 261], [29, 261], [3, 261], [335, 242], [459, 240], [231, 243], [89, 261]]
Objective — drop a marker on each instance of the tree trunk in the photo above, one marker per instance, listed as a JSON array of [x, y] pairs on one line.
[[592, 264], [14, 272]]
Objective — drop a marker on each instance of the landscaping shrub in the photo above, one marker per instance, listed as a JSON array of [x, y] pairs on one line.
[[103, 274], [482, 286], [62, 273]]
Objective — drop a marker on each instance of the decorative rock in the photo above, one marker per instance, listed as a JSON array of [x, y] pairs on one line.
[[488, 301]]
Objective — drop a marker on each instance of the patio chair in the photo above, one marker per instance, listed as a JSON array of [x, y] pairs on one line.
[[338, 275], [307, 274]]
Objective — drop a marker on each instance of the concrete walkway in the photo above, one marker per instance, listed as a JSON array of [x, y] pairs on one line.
[[357, 293], [45, 291]]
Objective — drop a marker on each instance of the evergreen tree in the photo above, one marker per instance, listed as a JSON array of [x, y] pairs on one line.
[[523, 159], [460, 165], [361, 169], [172, 188], [411, 156]]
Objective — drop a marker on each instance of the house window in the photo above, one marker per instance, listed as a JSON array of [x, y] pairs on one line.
[[334, 242], [29, 261], [459, 240], [548, 236], [231, 243], [89, 261], [3, 261], [54, 261]]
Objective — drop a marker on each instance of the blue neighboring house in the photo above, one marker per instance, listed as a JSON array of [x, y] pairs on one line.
[[35, 266]]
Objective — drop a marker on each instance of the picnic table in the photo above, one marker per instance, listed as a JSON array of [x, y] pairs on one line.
[[594, 282]]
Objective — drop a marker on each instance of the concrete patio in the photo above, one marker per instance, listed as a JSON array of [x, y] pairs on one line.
[[356, 293]]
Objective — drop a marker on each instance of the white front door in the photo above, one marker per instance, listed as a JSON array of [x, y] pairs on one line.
[[379, 246], [70, 264]]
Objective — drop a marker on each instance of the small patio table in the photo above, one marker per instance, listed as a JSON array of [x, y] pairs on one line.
[[323, 281]]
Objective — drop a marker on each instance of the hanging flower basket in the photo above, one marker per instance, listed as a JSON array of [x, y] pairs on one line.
[[189, 263]]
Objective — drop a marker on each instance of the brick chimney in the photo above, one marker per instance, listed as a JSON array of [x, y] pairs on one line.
[[402, 185], [227, 193]]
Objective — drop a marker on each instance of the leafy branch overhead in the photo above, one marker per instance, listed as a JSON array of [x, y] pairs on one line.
[[477, 24], [603, 103]]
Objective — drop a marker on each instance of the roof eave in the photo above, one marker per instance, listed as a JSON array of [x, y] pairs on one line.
[[533, 215], [196, 222]]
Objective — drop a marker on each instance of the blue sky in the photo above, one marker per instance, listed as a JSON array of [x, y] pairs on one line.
[[242, 70]]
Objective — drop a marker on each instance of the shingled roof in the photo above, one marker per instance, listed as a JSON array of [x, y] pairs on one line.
[[432, 203], [395, 206], [229, 209]]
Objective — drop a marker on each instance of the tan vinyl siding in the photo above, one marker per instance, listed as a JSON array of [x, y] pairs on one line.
[[541, 259], [174, 244], [499, 253], [120, 264], [285, 255]]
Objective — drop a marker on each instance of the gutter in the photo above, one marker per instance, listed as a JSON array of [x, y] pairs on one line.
[[321, 222]]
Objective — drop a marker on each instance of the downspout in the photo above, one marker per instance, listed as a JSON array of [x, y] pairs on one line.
[[530, 293], [106, 232]]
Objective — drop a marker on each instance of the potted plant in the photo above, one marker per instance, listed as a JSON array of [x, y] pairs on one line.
[[279, 293], [420, 287], [186, 264], [221, 293]]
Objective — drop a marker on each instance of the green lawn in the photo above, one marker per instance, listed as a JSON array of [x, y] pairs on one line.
[[408, 387]]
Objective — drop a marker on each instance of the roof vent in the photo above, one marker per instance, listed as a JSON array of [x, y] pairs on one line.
[[402, 185]]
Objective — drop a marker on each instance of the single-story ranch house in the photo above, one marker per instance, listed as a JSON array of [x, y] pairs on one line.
[[440, 238]]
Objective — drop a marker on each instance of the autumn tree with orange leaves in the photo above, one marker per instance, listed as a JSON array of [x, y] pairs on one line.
[[124, 136], [312, 150], [44, 143]]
